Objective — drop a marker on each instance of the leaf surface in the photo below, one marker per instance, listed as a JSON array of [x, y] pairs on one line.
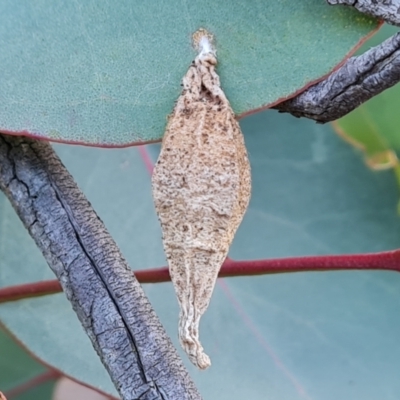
[[17, 367], [108, 73], [298, 336]]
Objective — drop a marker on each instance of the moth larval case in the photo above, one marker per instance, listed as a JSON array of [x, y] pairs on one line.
[[201, 189]]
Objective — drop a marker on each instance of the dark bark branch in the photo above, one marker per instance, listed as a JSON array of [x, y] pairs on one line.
[[388, 10], [358, 80], [108, 300]]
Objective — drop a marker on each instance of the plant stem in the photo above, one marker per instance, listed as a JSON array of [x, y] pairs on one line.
[[386, 261]]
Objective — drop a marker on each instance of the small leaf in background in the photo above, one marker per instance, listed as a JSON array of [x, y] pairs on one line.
[[66, 389], [107, 73], [17, 368]]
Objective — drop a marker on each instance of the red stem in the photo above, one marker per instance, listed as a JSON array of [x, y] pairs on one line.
[[36, 381], [389, 260], [28, 290]]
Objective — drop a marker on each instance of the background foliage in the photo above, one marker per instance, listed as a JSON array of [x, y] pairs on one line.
[[304, 335]]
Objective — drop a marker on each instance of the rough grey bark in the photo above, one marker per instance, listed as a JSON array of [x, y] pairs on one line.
[[358, 80], [388, 10], [108, 300]]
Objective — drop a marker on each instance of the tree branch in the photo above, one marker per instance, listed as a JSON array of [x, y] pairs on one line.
[[387, 10], [108, 300], [359, 79]]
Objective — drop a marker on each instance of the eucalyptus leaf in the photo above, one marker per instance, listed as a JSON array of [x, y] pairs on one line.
[[321, 335], [17, 367], [107, 73]]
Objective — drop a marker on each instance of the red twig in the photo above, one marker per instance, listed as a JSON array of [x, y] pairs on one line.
[[18, 292], [36, 381], [389, 260]]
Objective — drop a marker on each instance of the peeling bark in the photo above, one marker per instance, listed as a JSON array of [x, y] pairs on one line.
[[108, 300], [357, 81], [388, 10]]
